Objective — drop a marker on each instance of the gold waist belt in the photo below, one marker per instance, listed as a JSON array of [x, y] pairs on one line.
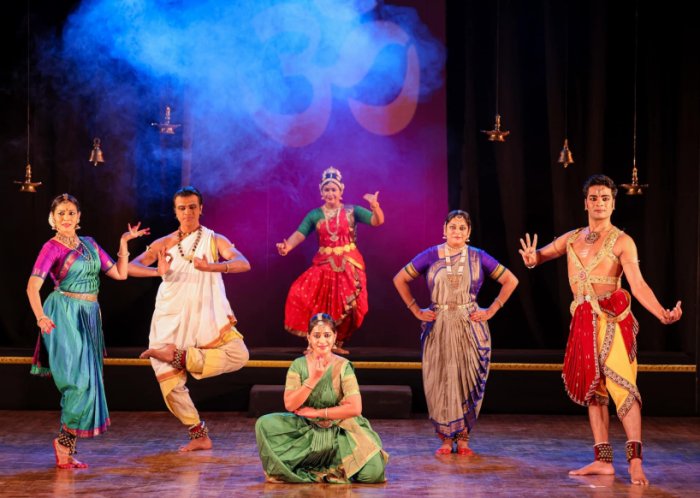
[[454, 306], [77, 295], [338, 250]]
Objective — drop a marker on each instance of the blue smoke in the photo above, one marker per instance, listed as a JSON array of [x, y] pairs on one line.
[[217, 63]]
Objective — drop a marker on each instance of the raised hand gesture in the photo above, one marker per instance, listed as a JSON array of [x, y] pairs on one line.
[[283, 247], [372, 199], [671, 316], [201, 264], [529, 250], [135, 232], [164, 260], [317, 367]]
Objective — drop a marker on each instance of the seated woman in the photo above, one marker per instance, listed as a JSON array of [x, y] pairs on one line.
[[325, 439]]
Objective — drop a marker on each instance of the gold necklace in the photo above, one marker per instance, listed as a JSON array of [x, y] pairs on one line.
[[592, 236], [334, 235], [66, 240], [452, 278], [76, 244]]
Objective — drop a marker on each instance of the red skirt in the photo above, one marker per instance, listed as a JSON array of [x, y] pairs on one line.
[[335, 285]]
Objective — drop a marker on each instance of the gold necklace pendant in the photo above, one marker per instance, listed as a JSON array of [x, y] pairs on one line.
[[591, 237]]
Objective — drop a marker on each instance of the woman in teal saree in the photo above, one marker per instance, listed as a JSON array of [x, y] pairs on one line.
[[70, 343], [324, 438]]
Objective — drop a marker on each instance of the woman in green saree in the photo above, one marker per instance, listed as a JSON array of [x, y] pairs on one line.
[[325, 438]]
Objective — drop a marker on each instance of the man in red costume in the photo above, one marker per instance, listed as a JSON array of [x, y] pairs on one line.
[[601, 353]]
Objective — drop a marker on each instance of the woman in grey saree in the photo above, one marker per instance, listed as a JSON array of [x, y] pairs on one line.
[[456, 342]]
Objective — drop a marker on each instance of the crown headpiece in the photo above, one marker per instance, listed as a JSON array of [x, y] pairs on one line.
[[331, 175]]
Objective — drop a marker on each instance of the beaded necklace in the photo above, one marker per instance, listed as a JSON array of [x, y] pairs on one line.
[[334, 235], [452, 278], [181, 235]]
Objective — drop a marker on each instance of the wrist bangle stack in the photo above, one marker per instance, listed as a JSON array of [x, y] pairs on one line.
[[411, 304], [311, 388], [500, 303]]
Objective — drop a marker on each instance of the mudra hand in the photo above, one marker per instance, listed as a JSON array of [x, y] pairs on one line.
[[671, 316], [283, 248], [372, 199], [134, 232], [317, 367], [529, 250], [164, 260], [200, 264]]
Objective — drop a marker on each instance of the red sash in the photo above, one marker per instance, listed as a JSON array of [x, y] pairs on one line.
[[582, 364]]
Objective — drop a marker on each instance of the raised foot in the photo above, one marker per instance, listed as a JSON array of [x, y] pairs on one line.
[[595, 468], [165, 354], [202, 443], [637, 473], [64, 460]]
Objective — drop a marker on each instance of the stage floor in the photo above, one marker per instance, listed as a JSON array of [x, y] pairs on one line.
[[518, 455]]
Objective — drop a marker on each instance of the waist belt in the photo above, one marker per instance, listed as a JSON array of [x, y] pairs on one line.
[[471, 306], [338, 250], [77, 295]]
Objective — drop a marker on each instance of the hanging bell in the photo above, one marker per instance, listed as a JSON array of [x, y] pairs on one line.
[[496, 135], [96, 156], [28, 185], [634, 188], [565, 156]]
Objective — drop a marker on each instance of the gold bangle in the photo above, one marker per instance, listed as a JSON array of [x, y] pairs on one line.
[[411, 304], [500, 303], [226, 270], [42, 317], [326, 412]]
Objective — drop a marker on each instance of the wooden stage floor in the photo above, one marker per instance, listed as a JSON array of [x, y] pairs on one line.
[[518, 455]]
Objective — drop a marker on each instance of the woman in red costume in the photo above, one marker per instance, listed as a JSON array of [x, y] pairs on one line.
[[336, 282]]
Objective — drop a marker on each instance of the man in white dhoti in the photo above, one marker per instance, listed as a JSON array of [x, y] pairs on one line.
[[193, 328]]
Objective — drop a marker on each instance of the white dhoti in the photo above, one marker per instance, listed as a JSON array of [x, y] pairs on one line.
[[193, 313]]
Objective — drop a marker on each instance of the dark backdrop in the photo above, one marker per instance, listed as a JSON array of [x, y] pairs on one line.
[[516, 187], [509, 188]]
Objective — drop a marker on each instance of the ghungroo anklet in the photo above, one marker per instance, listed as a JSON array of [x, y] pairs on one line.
[[198, 431], [180, 360], [633, 450], [603, 452], [462, 436], [67, 440]]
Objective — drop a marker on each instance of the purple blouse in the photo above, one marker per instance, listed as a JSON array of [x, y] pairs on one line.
[[54, 259], [423, 262]]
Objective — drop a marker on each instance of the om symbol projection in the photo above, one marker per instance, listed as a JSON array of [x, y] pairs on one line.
[[354, 59]]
